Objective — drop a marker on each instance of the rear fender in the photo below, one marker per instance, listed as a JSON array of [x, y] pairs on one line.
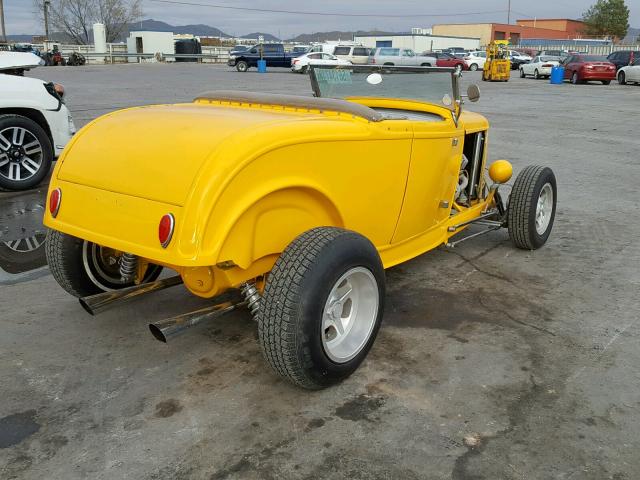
[[267, 225]]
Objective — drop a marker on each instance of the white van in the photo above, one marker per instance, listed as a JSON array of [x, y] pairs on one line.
[[356, 54]]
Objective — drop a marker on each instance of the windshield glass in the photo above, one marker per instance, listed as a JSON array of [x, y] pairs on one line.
[[593, 58], [423, 84], [549, 59]]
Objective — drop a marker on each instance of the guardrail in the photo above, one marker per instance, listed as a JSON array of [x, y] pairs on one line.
[[113, 57]]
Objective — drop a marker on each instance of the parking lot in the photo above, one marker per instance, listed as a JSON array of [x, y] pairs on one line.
[[492, 362]]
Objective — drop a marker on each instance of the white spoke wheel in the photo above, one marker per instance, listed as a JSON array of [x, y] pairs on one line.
[[83, 268], [25, 152], [322, 307], [532, 207]]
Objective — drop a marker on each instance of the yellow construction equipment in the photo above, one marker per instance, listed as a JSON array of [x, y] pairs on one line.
[[497, 67]]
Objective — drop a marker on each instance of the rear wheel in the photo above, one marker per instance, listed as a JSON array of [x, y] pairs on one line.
[[242, 66], [322, 307], [622, 80], [25, 152], [84, 268], [532, 207], [522, 75], [536, 74]]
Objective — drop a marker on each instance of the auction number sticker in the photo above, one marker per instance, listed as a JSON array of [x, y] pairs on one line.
[[334, 77]]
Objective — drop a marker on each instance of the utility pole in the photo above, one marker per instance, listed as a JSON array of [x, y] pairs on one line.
[[46, 18], [509, 13], [3, 33]]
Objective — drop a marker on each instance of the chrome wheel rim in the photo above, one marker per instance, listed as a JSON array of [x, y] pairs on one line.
[[102, 266], [349, 314], [21, 154], [544, 209]]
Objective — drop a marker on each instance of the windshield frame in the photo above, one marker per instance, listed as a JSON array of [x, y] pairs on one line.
[[456, 106]]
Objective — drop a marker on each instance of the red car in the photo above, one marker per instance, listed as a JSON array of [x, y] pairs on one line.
[[585, 68], [448, 60]]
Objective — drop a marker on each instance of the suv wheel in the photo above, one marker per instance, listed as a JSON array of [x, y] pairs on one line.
[[322, 307], [242, 66], [25, 152]]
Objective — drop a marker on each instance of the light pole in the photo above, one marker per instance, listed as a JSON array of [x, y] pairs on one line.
[[46, 18], [509, 12], [3, 33]]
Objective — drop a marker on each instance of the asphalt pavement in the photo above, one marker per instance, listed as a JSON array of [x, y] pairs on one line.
[[492, 362]]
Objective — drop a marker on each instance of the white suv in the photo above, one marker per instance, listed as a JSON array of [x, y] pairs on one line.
[[475, 60], [35, 124]]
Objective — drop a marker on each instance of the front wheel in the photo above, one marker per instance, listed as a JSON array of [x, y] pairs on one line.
[[532, 207], [622, 79], [25, 152], [606, 82], [473, 67], [242, 66], [84, 268], [322, 307]]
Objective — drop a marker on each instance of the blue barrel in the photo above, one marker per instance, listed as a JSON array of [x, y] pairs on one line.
[[262, 66], [557, 75]]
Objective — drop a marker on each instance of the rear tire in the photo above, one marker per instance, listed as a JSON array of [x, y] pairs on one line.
[[80, 271], [575, 79], [536, 74], [532, 207], [522, 75], [622, 80], [322, 307]]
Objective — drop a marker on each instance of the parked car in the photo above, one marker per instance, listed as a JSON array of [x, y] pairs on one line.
[[444, 59], [301, 64], [358, 55], [475, 60], [586, 68], [272, 53], [35, 124], [257, 209], [630, 73], [539, 67], [399, 57], [623, 58]]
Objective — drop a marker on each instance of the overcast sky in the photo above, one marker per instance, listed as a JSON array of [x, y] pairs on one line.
[[19, 16]]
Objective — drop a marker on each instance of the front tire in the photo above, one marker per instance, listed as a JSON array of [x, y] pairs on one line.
[[83, 268], [242, 66], [622, 80], [473, 67], [322, 307], [532, 207], [606, 82], [25, 153]]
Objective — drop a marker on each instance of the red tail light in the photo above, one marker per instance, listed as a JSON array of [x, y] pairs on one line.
[[165, 229], [547, 65], [373, 60], [296, 61], [54, 202]]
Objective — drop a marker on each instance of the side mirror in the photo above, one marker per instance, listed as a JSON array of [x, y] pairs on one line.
[[473, 93]]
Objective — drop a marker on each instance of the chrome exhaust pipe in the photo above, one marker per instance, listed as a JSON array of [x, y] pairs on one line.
[[102, 301], [165, 330]]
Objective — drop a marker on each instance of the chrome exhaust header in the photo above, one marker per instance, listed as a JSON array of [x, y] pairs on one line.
[[103, 301], [167, 329]]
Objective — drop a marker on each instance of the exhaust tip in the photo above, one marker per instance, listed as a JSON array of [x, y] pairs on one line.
[[86, 306], [157, 333]]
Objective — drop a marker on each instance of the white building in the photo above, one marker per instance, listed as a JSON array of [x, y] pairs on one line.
[[150, 42], [418, 42]]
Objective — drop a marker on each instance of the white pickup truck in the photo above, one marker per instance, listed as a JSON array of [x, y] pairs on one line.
[[35, 124]]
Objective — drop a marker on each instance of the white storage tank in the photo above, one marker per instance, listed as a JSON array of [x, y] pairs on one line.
[[99, 41]]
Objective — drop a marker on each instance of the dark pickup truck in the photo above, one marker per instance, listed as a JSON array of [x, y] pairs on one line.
[[273, 53]]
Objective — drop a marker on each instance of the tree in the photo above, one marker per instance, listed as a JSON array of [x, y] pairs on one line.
[[74, 18], [607, 18]]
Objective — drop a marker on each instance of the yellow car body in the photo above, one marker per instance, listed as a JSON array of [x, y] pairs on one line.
[[242, 180]]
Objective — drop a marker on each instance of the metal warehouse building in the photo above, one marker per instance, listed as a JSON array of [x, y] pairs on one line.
[[421, 42]]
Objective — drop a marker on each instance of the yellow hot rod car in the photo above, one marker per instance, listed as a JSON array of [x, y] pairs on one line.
[[294, 204]]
